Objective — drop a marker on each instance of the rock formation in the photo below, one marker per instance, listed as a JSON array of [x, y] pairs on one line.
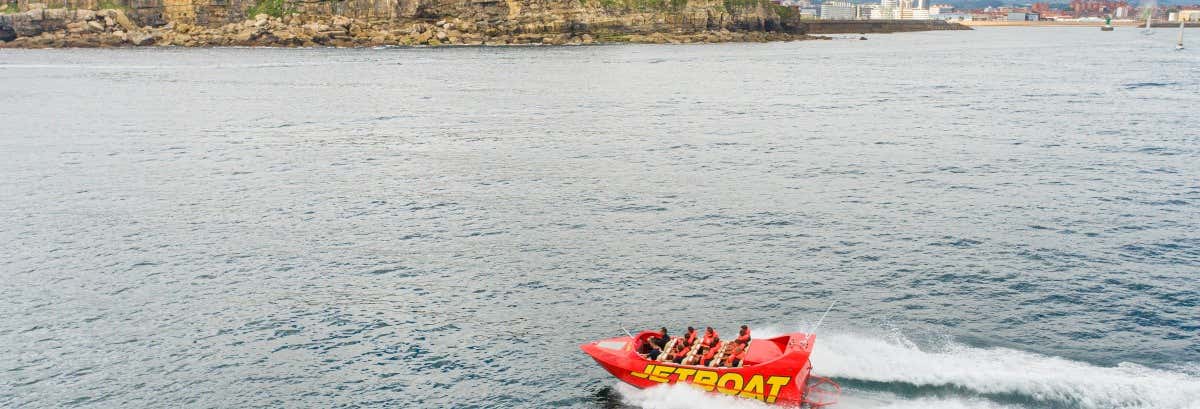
[[84, 23]]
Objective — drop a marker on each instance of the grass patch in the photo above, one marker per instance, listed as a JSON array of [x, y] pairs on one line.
[[785, 13], [644, 5], [110, 4], [737, 4], [9, 8], [651, 4], [273, 8]]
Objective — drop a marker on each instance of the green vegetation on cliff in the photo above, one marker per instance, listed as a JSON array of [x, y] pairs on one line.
[[679, 5], [273, 8], [784, 12], [732, 4], [644, 5], [9, 8], [111, 4]]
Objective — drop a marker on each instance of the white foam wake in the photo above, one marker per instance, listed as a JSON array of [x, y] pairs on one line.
[[1055, 381], [961, 377], [682, 397], [685, 397]]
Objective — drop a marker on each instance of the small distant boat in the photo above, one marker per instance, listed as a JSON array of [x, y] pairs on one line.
[[1107, 24], [1147, 30], [775, 370], [1179, 45]]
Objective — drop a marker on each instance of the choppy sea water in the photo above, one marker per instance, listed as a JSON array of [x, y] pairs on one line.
[[1008, 218]]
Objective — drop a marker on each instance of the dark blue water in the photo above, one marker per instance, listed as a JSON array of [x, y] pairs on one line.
[[1007, 217]]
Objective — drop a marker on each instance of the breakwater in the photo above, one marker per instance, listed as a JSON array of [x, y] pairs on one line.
[[877, 26], [86, 23]]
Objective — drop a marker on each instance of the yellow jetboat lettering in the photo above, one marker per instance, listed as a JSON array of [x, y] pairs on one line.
[[684, 374], [644, 372], [754, 388], [730, 383], [726, 379], [705, 380], [776, 383], [661, 373]]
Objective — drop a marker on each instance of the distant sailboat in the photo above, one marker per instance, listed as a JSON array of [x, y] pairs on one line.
[[1149, 14], [1179, 45]]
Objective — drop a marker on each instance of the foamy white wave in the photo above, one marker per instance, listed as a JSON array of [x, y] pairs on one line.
[[686, 397], [1054, 381], [943, 403], [1059, 381], [682, 397]]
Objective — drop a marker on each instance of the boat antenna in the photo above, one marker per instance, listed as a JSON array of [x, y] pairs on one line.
[[814, 331], [626, 331]]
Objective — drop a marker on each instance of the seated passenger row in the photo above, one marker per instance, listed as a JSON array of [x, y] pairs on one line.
[[709, 351]]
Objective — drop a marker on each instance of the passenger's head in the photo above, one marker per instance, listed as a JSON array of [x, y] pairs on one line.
[[745, 329], [690, 329], [708, 330], [664, 330]]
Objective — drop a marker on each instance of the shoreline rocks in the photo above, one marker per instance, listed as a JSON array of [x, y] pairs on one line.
[[58, 28]]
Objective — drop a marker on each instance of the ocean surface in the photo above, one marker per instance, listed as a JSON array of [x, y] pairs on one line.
[[1006, 218]]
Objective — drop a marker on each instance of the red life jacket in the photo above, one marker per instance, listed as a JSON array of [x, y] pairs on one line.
[[743, 336], [679, 352], [691, 339], [737, 354]]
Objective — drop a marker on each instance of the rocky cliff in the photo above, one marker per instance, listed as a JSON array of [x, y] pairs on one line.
[[84, 23]]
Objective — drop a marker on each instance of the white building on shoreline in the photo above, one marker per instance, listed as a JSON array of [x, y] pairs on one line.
[[884, 10], [838, 10]]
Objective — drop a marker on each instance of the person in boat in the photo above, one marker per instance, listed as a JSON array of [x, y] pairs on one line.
[[653, 346], [709, 353], [689, 338], [734, 357], [743, 336], [703, 347], [678, 353], [649, 349], [710, 338], [662, 339]]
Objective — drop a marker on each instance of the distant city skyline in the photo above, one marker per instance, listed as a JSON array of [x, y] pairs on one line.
[[979, 4]]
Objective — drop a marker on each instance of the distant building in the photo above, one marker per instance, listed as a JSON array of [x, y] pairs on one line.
[[838, 10], [887, 10], [1189, 15], [796, 3], [1097, 8], [953, 17], [864, 11], [1019, 16], [940, 8], [914, 14]]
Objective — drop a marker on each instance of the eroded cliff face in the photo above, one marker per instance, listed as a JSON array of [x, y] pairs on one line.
[[597, 17], [348, 23]]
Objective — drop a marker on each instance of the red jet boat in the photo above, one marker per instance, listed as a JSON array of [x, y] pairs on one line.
[[774, 370]]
